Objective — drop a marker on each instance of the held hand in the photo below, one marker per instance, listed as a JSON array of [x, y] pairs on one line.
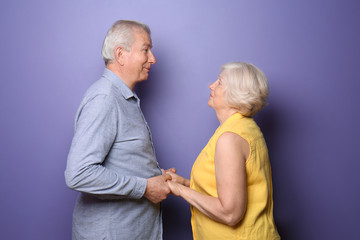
[[157, 188], [179, 179], [175, 188], [172, 170]]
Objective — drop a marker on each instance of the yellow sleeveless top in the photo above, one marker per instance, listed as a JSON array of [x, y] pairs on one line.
[[258, 222]]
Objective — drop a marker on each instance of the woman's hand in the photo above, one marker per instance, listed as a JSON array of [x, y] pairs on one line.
[[173, 170], [178, 179], [175, 188]]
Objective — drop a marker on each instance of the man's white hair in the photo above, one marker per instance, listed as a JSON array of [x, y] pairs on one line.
[[120, 34]]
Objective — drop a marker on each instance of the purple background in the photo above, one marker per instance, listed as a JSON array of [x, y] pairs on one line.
[[50, 54]]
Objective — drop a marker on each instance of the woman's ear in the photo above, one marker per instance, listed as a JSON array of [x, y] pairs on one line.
[[119, 55]]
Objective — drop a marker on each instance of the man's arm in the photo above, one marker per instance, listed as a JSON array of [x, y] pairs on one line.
[[95, 132]]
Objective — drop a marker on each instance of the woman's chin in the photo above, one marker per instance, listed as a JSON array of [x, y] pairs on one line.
[[210, 104]]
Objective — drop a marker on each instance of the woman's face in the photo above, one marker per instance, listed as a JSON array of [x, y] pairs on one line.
[[217, 96]]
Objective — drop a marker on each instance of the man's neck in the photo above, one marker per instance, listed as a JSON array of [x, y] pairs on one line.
[[115, 69]]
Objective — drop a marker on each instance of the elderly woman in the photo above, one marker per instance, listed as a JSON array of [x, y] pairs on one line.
[[230, 190]]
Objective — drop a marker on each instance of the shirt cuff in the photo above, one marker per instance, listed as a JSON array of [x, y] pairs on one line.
[[139, 188]]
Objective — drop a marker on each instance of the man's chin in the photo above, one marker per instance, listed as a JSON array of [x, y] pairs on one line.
[[144, 77]]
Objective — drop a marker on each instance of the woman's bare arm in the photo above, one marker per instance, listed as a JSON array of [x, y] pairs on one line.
[[230, 206]]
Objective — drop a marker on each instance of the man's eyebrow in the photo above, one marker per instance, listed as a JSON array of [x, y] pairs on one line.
[[147, 45]]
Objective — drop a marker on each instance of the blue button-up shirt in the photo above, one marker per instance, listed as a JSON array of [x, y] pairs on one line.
[[110, 158]]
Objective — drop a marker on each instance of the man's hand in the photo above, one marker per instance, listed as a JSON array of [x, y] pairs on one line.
[[157, 188]]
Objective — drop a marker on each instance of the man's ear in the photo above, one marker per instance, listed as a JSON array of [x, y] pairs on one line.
[[119, 55]]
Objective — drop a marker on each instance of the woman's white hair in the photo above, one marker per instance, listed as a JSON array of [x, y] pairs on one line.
[[246, 87], [120, 34]]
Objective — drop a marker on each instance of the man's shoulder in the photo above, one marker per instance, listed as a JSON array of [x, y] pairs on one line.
[[100, 87]]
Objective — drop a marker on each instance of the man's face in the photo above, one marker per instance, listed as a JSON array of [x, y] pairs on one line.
[[140, 58]]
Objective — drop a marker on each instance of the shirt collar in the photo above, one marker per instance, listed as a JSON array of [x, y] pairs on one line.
[[118, 83]]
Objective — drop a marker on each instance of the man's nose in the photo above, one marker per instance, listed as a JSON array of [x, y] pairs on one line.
[[152, 58]]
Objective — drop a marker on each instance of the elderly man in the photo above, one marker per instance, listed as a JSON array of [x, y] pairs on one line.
[[112, 160]]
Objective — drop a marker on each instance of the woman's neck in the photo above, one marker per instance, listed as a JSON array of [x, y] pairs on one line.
[[224, 114]]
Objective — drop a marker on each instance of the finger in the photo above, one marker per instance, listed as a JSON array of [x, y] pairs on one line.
[[163, 171], [167, 177], [171, 170]]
